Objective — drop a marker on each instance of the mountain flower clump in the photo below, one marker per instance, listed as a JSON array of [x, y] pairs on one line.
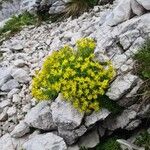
[[76, 75]]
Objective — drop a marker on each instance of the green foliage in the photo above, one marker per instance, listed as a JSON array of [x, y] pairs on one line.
[[143, 140], [76, 75], [77, 7], [112, 106], [142, 68], [109, 144], [16, 23], [143, 60]]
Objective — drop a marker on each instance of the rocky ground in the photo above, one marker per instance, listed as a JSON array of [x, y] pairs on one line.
[[22, 122]]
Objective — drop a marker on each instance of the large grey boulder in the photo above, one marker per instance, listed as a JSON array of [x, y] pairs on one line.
[[96, 116], [65, 115], [124, 10], [40, 117], [121, 85], [48, 141]]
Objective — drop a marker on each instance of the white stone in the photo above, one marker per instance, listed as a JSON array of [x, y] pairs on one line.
[[96, 116], [16, 98], [89, 140], [21, 75], [40, 117], [5, 74], [12, 92], [16, 47], [121, 85], [65, 115], [19, 63], [9, 85], [48, 141], [11, 111], [5, 103], [20, 130]]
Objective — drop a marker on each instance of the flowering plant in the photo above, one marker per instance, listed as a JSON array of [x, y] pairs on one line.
[[76, 75]]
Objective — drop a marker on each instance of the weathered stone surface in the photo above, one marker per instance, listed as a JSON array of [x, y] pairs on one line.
[[20, 130], [121, 85], [71, 136], [9, 85], [5, 74], [90, 139], [48, 141], [124, 9], [132, 125], [120, 121], [11, 111], [21, 75], [9, 143], [17, 47], [40, 117], [5, 103], [64, 115], [96, 116], [127, 145]]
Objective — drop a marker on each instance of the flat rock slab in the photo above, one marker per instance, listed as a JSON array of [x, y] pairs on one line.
[[40, 117], [96, 116], [47, 141], [121, 85], [65, 115]]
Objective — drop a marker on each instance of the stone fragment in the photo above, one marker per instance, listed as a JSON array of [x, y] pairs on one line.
[[3, 116], [48, 141], [13, 92], [19, 63], [89, 140], [20, 130], [96, 116], [71, 136], [120, 121], [65, 115], [133, 124], [121, 85], [16, 47], [5, 75], [11, 111], [5, 103], [9, 85], [21, 75], [40, 117]]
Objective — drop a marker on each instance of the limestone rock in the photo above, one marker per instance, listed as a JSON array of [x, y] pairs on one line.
[[21, 75], [120, 121], [124, 9], [9, 85], [121, 85], [40, 117], [5, 74], [65, 115], [17, 47], [20, 130], [7, 142], [71, 136], [90, 139], [96, 116], [48, 141]]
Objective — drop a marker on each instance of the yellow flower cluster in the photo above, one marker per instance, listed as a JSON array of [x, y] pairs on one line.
[[76, 75]]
